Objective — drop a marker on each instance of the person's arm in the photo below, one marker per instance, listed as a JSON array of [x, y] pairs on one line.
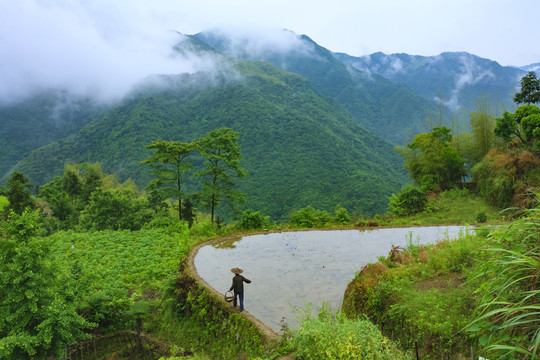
[[246, 280]]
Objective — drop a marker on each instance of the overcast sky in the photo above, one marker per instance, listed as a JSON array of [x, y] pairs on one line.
[[54, 42]]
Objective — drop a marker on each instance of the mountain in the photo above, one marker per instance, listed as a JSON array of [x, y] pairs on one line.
[[532, 67], [389, 109], [300, 147], [40, 120], [456, 78], [315, 127]]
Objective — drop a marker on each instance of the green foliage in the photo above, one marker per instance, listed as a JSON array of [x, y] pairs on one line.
[[4, 203], [332, 336], [85, 197], [506, 127], [38, 316], [169, 163], [114, 210], [528, 116], [39, 120], [410, 200], [18, 193], [525, 122], [309, 217], [530, 90], [507, 178], [221, 152], [507, 279], [285, 127], [201, 319], [483, 125], [341, 215], [419, 297], [481, 216], [431, 161], [253, 220]]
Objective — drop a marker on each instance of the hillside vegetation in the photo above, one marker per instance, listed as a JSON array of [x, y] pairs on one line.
[[299, 148], [98, 249]]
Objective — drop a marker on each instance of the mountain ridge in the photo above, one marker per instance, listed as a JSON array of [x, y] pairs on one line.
[[299, 148], [344, 118]]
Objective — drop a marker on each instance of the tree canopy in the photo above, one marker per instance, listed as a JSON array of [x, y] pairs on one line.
[[431, 161], [530, 90], [169, 163], [222, 156], [524, 123], [38, 316]]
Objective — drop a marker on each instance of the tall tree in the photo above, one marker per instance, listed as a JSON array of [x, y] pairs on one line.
[[432, 162], [18, 193], [221, 152], [525, 122], [169, 163], [38, 317], [483, 125], [530, 90]]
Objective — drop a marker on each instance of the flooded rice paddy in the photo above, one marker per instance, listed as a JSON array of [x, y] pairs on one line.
[[291, 269]]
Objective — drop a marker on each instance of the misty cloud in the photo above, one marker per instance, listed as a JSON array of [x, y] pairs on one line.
[[470, 74], [96, 49], [254, 43]]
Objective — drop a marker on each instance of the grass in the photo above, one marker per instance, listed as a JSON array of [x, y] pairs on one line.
[[508, 283], [419, 296], [451, 207]]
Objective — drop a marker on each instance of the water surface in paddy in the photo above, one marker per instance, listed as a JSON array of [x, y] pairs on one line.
[[290, 269]]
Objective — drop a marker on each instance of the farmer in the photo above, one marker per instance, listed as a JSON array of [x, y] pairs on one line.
[[238, 286]]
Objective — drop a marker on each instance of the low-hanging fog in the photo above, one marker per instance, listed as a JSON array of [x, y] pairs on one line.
[[98, 49]]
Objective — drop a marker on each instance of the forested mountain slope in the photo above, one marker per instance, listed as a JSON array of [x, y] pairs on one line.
[[300, 148], [456, 78], [42, 119], [389, 109]]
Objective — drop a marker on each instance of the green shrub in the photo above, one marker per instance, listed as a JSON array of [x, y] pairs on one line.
[[481, 216], [418, 296], [341, 216], [253, 220], [4, 202], [507, 279], [410, 200], [309, 217], [332, 336]]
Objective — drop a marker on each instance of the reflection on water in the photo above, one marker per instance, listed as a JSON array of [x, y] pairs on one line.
[[227, 244], [290, 269]]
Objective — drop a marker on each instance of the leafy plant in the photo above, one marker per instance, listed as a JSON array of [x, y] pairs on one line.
[[418, 297], [309, 217], [253, 220], [38, 315], [481, 216], [332, 336], [341, 215], [508, 278], [410, 200]]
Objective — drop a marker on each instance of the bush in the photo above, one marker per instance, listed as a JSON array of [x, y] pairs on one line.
[[507, 279], [341, 216], [309, 217], [331, 336], [481, 216], [410, 200], [253, 220]]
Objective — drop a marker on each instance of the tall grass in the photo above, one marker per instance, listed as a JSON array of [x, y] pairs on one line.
[[508, 278]]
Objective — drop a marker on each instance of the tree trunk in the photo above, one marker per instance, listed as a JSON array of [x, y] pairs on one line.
[[213, 206]]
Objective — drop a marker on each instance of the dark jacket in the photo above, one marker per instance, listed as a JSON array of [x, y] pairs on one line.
[[238, 284]]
